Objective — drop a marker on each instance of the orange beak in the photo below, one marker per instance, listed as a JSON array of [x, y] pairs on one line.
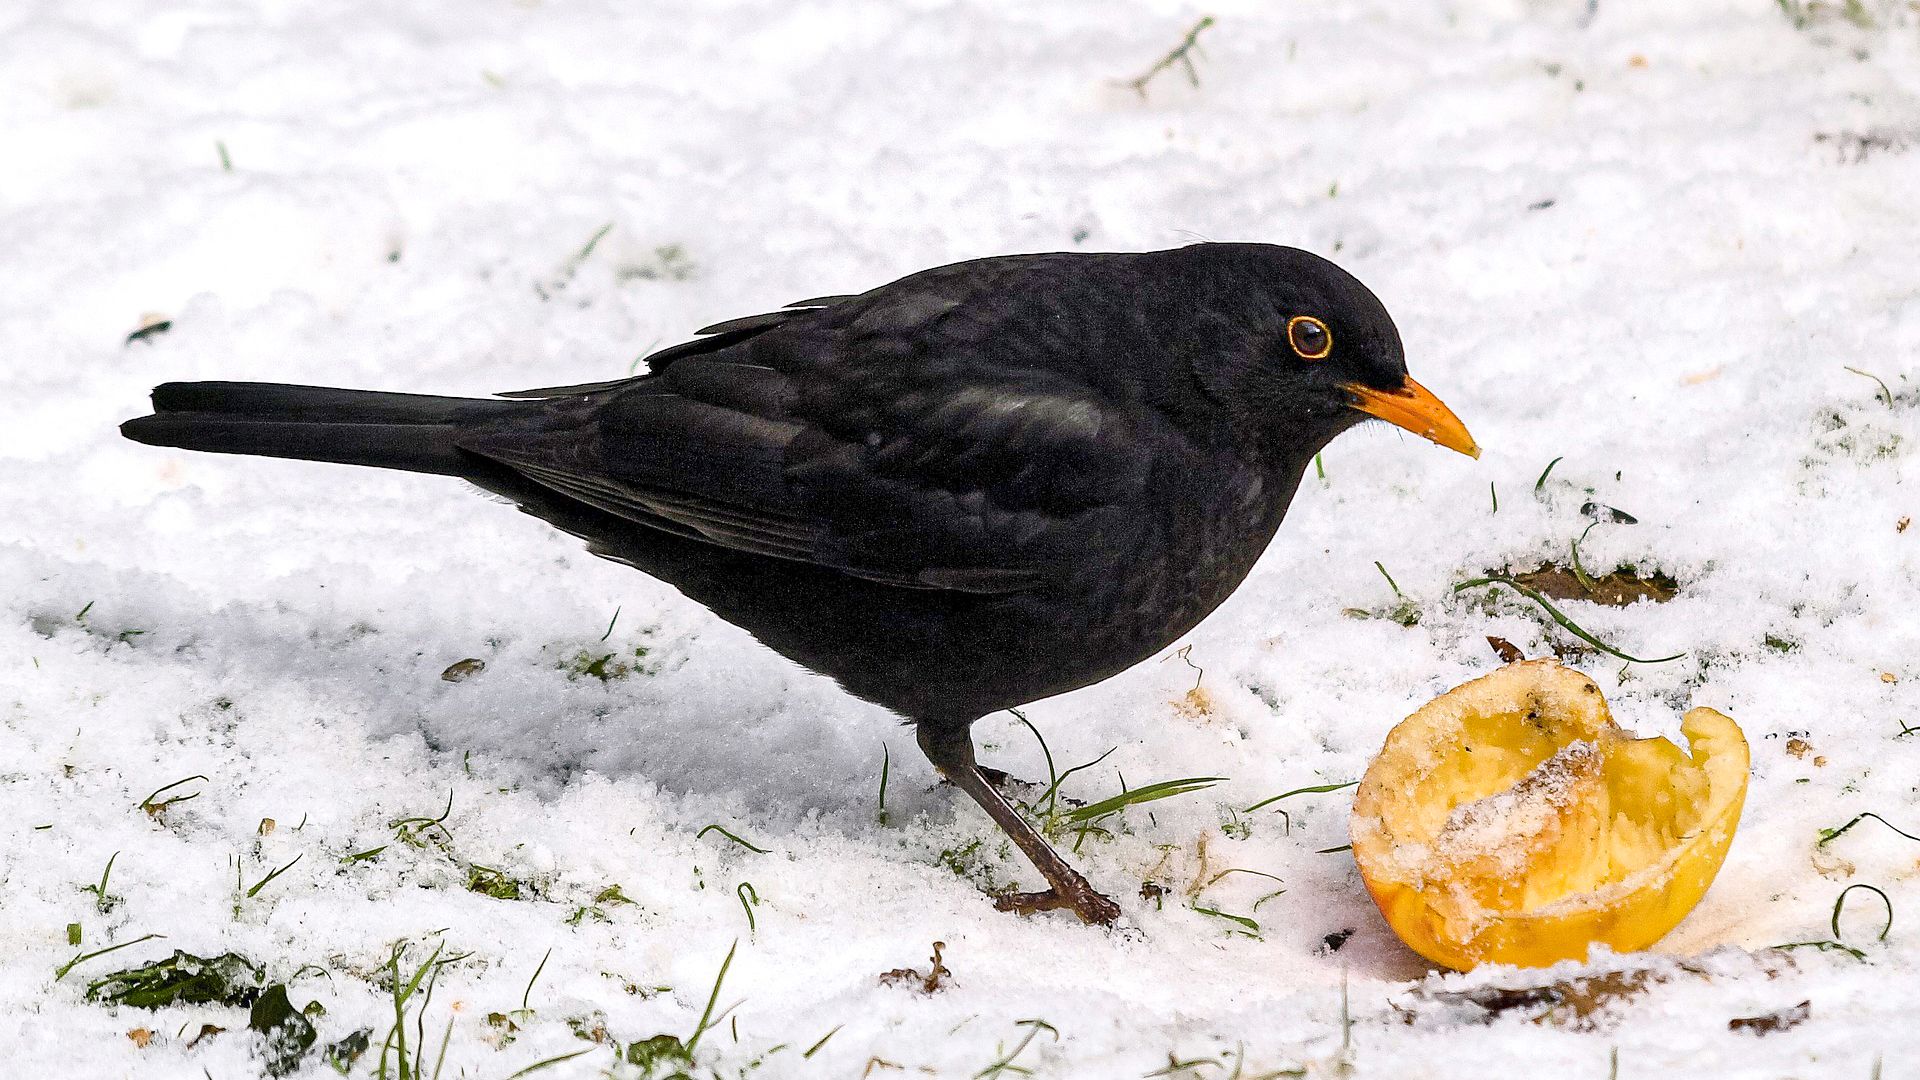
[[1414, 408]]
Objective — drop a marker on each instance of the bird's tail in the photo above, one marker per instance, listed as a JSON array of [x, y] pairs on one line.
[[413, 432]]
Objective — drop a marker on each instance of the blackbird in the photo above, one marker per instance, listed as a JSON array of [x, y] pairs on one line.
[[977, 486]]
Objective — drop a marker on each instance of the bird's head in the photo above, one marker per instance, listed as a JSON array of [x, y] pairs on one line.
[[1308, 352]]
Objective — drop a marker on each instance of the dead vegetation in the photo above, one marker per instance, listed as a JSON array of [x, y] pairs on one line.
[[1617, 588], [933, 981]]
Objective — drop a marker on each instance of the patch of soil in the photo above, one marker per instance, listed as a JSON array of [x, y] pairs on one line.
[[1617, 588]]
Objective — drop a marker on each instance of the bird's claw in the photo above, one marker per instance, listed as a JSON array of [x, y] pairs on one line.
[[1092, 907]]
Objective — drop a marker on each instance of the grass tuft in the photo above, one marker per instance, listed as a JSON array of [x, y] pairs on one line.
[[417, 831], [1406, 612], [156, 809], [182, 979], [1165, 789], [488, 881], [103, 903], [1082, 821], [394, 1047]]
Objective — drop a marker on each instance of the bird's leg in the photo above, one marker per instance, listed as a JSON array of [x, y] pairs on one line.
[[1011, 786], [951, 751]]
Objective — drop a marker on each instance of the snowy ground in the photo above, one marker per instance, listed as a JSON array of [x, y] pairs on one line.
[[1645, 240]]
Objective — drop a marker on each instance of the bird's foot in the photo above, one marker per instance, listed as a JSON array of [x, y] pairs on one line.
[[1092, 907]]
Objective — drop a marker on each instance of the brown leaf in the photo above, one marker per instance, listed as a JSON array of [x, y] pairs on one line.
[[1773, 1021], [141, 1037], [207, 1031], [1507, 651]]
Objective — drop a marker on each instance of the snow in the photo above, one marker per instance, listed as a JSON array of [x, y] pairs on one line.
[[1644, 239], [1506, 826]]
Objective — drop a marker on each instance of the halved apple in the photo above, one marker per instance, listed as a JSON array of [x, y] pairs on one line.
[[1510, 820]]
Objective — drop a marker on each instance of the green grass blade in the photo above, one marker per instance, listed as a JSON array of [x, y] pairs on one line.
[[262, 883], [1166, 789], [1051, 796], [723, 831], [1827, 836], [536, 978], [706, 1015], [1316, 789], [61, 971], [1541, 483], [1841, 902], [1560, 617], [1250, 925], [815, 1048], [538, 1065], [1053, 776]]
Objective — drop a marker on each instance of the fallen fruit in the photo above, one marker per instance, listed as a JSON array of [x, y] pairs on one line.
[[1510, 820]]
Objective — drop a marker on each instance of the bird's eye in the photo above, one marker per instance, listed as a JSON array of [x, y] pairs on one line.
[[1309, 337]]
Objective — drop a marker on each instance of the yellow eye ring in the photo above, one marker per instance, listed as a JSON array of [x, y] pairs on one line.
[[1309, 337]]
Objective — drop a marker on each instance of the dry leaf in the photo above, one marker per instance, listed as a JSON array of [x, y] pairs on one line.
[[1507, 651], [1773, 1021], [933, 980]]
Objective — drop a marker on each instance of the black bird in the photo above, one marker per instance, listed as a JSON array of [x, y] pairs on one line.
[[978, 486]]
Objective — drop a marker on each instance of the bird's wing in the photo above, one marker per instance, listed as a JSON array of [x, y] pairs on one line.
[[977, 490], [912, 441], [707, 340]]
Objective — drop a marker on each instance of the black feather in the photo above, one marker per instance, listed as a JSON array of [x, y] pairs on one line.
[[412, 432]]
